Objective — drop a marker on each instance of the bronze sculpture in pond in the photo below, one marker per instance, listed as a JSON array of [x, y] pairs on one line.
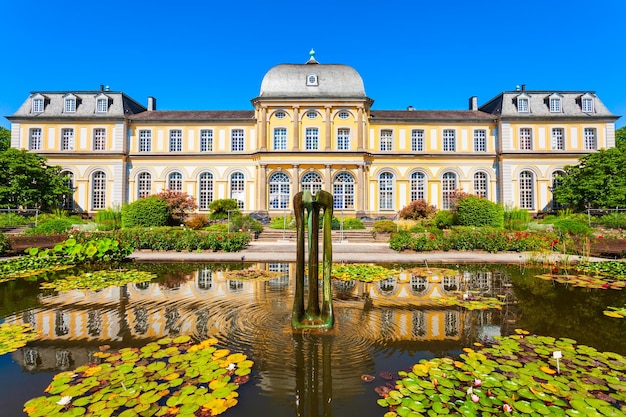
[[307, 209]]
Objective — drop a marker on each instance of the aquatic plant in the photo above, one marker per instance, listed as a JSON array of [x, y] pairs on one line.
[[252, 274], [615, 312], [613, 269], [164, 378], [518, 375], [14, 336], [584, 281], [362, 272], [97, 280], [469, 301]]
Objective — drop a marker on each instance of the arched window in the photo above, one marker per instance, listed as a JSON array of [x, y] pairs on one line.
[[418, 186], [557, 179], [238, 188], [144, 185], [205, 190], [526, 190], [480, 184], [279, 190], [175, 182], [343, 190], [67, 202], [312, 181], [98, 190], [385, 191], [448, 186]]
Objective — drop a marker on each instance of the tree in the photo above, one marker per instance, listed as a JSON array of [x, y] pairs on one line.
[[5, 139], [620, 134], [220, 208], [28, 181], [179, 205], [599, 180]]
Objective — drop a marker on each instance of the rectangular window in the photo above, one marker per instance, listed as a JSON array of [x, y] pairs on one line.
[[311, 139], [280, 139], [558, 139], [480, 141], [587, 105], [525, 139], [70, 105], [591, 142], [417, 140], [555, 105], [176, 140], [522, 105], [343, 139], [67, 139], [145, 141], [449, 140], [37, 105], [99, 139], [101, 106], [386, 140], [34, 141], [206, 140], [236, 140]]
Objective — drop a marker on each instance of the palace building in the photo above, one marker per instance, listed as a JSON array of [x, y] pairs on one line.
[[313, 127]]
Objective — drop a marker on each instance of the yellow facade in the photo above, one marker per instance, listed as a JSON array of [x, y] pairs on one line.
[[312, 127]]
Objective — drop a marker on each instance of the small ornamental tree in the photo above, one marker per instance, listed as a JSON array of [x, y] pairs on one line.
[[179, 205], [418, 209], [475, 211], [220, 208], [145, 212]]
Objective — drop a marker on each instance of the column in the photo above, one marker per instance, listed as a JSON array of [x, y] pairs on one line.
[[262, 187], [296, 179], [328, 175], [360, 189], [296, 129], [263, 130], [328, 131], [359, 130]]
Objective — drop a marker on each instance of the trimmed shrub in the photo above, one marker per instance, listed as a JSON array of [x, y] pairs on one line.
[[351, 223], [418, 209], [444, 219], [572, 226], [400, 241], [280, 221], [145, 212], [478, 212], [220, 208], [179, 206], [245, 223], [197, 222], [218, 227], [385, 226]]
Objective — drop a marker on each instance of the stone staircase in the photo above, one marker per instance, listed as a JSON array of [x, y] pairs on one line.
[[352, 236]]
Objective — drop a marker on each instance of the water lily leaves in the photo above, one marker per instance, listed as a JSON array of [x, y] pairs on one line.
[[362, 272], [14, 336], [516, 375], [147, 382], [98, 280]]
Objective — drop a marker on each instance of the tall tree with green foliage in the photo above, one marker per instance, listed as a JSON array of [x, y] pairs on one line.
[[5, 139], [598, 181], [27, 181], [620, 134]]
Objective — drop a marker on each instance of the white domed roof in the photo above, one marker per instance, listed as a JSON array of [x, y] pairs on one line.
[[312, 80]]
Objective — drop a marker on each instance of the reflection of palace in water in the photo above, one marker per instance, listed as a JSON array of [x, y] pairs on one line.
[[207, 303]]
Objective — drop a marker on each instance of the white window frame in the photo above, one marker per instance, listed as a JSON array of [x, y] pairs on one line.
[[555, 104], [587, 104], [205, 190], [312, 181], [175, 181], [280, 139], [98, 190], [480, 140], [102, 105], [38, 105], [176, 140], [67, 201], [418, 186], [343, 139], [237, 140], [311, 139], [280, 114], [35, 138], [343, 191], [417, 140], [279, 191], [145, 141], [526, 185], [238, 188], [480, 184], [69, 105], [67, 139], [386, 140], [449, 184], [558, 138], [590, 139], [343, 115], [99, 139], [523, 105], [144, 184], [525, 139], [449, 140], [386, 191], [206, 140]]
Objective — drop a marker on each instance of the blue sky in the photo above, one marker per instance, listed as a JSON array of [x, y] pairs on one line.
[[200, 54]]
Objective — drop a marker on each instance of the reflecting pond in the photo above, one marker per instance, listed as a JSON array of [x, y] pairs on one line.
[[383, 326]]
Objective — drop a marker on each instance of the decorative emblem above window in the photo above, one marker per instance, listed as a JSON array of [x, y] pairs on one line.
[[312, 80]]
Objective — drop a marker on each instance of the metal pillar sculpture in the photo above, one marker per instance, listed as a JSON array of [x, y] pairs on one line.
[[307, 208]]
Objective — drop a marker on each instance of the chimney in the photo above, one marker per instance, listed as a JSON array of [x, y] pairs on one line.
[[410, 108], [151, 103], [473, 103], [101, 87], [523, 87]]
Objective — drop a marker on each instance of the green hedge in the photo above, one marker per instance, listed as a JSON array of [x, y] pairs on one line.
[[478, 212], [146, 212]]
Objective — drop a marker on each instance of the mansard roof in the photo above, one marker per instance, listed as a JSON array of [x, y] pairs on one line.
[[193, 115], [430, 115]]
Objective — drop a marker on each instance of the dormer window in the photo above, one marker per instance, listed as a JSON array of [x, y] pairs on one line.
[[522, 104], [38, 104], [555, 103], [70, 104], [102, 105], [311, 79], [587, 103]]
